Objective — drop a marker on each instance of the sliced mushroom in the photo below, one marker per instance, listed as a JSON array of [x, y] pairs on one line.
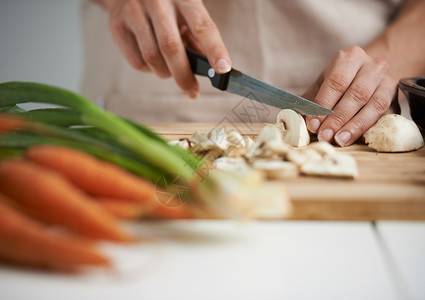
[[231, 164], [275, 169], [218, 136], [301, 156], [249, 142], [235, 138], [337, 165], [323, 148], [394, 133], [269, 142], [235, 151], [182, 143], [293, 128]]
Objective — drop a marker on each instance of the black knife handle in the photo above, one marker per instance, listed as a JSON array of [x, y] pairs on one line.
[[200, 66]]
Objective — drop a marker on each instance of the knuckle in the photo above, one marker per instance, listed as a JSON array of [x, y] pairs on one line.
[[339, 119], [381, 103], [353, 52], [337, 82], [169, 45], [204, 26], [360, 93], [151, 56], [359, 124], [132, 7], [381, 64]]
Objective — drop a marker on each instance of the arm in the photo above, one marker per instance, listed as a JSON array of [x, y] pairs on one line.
[[403, 43], [360, 85], [151, 35]]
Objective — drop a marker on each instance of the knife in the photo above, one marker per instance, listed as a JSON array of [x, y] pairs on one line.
[[238, 83]]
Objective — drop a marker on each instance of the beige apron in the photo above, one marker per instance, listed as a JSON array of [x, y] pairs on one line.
[[284, 42]]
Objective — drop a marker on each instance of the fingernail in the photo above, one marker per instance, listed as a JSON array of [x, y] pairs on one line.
[[326, 135], [313, 125], [223, 66], [343, 138]]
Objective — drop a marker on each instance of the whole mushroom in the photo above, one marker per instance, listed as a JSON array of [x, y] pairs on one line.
[[394, 133]]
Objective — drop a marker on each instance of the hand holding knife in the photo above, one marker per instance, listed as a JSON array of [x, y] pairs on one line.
[[238, 83]]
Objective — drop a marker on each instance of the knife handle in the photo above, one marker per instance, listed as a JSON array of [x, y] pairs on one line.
[[200, 66]]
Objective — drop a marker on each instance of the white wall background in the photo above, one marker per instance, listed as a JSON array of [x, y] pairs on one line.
[[40, 40]]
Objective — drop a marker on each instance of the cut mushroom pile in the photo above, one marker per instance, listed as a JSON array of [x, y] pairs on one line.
[[281, 151]]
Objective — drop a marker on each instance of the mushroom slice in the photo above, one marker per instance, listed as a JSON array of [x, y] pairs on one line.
[[275, 169], [293, 128], [182, 143], [235, 138], [199, 139], [394, 133], [218, 137], [301, 156], [269, 142], [337, 165], [215, 141], [231, 164], [249, 142], [235, 151], [323, 148]]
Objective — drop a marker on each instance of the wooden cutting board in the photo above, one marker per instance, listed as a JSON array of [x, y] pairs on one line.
[[390, 186]]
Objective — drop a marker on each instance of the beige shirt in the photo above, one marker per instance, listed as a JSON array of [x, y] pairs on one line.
[[284, 42]]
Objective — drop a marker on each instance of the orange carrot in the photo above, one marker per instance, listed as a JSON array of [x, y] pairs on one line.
[[27, 242], [129, 210], [122, 210], [171, 207], [53, 199], [96, 177], [9, 123]]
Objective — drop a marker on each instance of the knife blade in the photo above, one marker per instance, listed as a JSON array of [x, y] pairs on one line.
[[246, 86]]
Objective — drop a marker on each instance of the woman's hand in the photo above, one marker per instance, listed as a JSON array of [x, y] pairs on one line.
[[151, 35], [358, 88]]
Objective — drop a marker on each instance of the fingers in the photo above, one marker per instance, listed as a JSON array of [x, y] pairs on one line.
[[337, 78], [206, 34], [190, 40], [127, 44], [140, 25], [163, 18], [359, 90], [375, 108], [147, 34], [357, 95]]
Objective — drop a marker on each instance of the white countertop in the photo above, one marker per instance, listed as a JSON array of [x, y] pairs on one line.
[[252, 260]]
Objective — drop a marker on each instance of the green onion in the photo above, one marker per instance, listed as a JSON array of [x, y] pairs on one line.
[[135, 139]]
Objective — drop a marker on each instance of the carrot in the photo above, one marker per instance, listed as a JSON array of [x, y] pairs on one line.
[[122, 210], [53, 199], [96, 177], [27, 242], [171, 207], [9, 123], [128, 210]]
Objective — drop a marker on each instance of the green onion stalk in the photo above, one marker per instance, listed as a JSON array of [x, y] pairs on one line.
[[12, 93]]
